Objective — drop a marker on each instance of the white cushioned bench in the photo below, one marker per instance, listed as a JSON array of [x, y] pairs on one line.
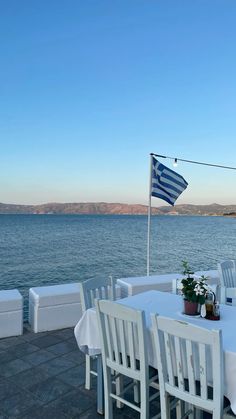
[[54, 307], [138, 284], [162, 282], [11, 313]]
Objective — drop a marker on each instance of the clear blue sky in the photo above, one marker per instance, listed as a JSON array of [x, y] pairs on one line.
[[90, 88]]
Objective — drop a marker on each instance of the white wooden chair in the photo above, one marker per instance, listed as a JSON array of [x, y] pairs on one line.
[[89, 291], [190, 368], [184, 362], [123, 341], [227, 273]]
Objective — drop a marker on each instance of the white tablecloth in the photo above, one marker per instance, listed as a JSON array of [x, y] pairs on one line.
[[170, 305]]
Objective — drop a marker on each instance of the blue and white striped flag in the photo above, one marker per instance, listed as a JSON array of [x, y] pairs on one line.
[[166, 184]]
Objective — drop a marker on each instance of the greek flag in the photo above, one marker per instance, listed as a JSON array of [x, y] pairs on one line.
[[166, 184]]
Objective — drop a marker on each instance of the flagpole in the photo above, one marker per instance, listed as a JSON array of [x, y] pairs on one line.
[[149, 217]]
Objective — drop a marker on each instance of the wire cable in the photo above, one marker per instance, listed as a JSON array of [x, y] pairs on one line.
[[176, 159]]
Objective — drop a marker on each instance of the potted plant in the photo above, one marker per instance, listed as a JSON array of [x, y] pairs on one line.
[[194, 290]]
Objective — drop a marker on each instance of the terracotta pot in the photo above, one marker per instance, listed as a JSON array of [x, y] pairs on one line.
[[191, 308]]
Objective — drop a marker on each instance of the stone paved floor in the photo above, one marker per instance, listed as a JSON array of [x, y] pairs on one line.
[[42, 376]]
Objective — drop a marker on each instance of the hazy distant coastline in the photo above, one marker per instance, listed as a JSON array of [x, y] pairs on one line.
[[117, 208]]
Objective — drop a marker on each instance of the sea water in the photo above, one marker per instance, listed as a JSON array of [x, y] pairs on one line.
[[38, 250]]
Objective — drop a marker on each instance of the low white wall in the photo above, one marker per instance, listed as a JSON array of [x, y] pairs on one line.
[[11, 313], [59, 306]]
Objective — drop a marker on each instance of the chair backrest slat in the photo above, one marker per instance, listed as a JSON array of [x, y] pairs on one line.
[[108, 343], [179, 363], [203, 370], [190, 358], [103, 288], [122, 343], [131, 344], [113, 329], [169, 359]]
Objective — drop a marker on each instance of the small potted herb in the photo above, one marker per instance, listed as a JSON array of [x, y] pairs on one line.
[[194, 290]]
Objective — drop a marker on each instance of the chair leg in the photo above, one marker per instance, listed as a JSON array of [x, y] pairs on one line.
[[180, 409], [107, 391], [87, 372], [144, 398], [191, 408], [165, 405], [119, 388], [191, 415], [136, 392], [100, 387], [198, 413]]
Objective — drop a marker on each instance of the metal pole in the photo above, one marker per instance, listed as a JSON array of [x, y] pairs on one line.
[[149, 217]]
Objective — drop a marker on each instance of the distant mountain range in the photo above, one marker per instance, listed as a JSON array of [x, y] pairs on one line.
[[116, 208]]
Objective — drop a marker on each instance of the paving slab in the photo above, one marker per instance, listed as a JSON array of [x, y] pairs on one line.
[[46, 340], [62, 348], [39, 357], [49, 389], [13, 367], [7, 389], [22, 349], [28, 335], [64, 333], [76, 356], [6, 356], [30, 377], [45, 412], [74, 376], [8, 342], [74, 403], [17, 404], [57, 365]]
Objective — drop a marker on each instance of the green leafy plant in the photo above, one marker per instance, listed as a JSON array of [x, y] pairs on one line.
[[193, 289]]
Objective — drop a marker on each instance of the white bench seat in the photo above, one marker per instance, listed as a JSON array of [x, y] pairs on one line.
[[136, 285], [11, 313], [162, 282], [54, 307]]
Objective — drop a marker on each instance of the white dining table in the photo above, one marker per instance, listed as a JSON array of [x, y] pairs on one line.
[[169, 305]]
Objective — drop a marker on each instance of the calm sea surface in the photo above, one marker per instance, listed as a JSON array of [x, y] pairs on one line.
[[40, 250]]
